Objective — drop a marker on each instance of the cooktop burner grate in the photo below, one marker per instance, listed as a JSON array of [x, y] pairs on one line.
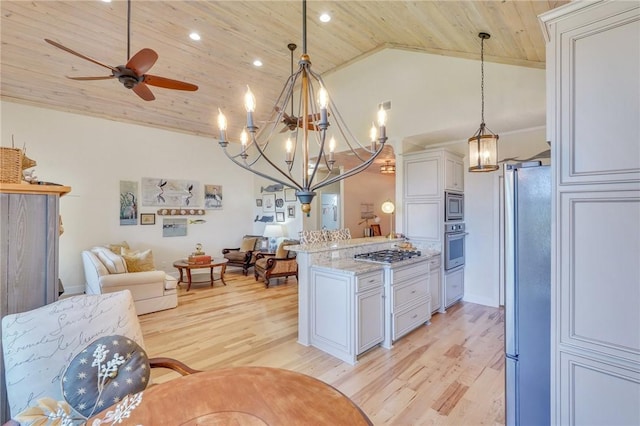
[[387, 256]]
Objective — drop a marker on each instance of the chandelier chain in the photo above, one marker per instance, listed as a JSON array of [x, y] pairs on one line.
[[482, 78]]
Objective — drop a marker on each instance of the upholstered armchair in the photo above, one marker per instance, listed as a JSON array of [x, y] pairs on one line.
[[75, 357], [245, 255], [282, 263]]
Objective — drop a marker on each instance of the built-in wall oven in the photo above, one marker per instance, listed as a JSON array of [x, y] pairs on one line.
[[453, 207], [454, 250]]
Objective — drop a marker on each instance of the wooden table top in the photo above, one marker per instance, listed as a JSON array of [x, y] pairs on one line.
[[242, 396], [215, 261]]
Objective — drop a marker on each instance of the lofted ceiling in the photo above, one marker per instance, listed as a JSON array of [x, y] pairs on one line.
[[234, 33]]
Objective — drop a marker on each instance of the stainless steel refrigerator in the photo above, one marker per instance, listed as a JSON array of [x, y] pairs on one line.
[[527, 293]]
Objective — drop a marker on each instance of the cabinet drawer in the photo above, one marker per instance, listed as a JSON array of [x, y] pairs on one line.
[[403, 294], [368, 281], [434, 263], [406, 321], [406, 272], [454, 290]]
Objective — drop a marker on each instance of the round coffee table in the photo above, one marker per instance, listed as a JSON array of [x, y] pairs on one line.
[[182, 265]]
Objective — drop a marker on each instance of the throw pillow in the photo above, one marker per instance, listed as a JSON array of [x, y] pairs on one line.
[[114, 263], [248, 244], [117, 247], [107, 370], [138, 261], [340, 234], [38, 344]]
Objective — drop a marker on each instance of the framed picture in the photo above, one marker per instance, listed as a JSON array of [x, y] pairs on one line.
[[258, 202], [213, 197], [291, 211], [128, 202], [279, 216], [289, 194], [269, 203], [279, 203], [263, 244], [375, 230], [147, 219], [174, 227]]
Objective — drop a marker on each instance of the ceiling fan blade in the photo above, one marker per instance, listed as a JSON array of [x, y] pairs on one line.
[[143, 91], [80, 55], [168, 83], [106, 77], [142, 61]]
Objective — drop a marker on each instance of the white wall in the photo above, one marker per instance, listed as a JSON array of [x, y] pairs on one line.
[[92, 155], [368, 187]]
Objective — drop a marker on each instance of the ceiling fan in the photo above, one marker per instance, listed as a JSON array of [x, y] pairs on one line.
[[291, 121], [133, 74]]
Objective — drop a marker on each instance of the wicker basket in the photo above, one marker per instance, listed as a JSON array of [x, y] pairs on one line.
[[10, 165]]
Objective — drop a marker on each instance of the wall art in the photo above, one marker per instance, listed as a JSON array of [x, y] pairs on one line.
[[174, 227], [279, 216], [171, 192], [291, 210], [269, 203], [289, 194], [180, 212], [147, 219], [128, 202], [213, 197]]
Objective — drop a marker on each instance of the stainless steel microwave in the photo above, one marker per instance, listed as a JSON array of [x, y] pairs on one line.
[[453, 206]]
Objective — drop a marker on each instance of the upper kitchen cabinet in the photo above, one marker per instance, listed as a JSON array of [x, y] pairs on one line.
[[593, 105], [429, 173], [453, 172]]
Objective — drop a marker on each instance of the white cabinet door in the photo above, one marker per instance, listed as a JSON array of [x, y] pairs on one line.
[[423, 219], [454, 174], [370, 318], [453, 286], [435, 283], [593, 105], [421, 176]]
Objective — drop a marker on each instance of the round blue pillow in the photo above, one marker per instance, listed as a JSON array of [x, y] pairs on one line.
[[107, 370]]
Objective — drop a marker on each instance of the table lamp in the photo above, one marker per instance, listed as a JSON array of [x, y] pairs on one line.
[[273, 232], [388, 208]]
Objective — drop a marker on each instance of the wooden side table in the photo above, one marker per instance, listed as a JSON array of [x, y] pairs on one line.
[[182, 265]]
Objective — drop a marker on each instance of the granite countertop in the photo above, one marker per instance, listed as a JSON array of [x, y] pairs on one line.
[[354, 267]]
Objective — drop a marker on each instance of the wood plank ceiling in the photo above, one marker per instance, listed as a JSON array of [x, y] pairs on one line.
[[234, 33]]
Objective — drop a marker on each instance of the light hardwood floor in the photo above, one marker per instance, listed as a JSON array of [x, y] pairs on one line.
[[448, 373]]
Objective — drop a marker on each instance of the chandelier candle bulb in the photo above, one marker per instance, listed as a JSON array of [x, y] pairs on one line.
[[382, 121], [289, 151], [332, 147], [243, 140], [323, 101], [222, 126], [250, 106]]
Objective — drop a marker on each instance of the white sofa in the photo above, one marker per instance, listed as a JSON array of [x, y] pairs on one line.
[[106, 272]]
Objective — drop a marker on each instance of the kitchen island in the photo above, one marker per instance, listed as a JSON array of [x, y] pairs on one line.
[[346, 307]]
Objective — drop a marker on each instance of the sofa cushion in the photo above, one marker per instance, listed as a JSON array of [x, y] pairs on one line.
[[37, 351], [107, 370], [117, 247], [340, 234], [282, 252], [248, 244], [311, 237], [138, 261], [114, 263]]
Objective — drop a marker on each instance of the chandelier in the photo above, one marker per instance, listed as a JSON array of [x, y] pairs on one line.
[[483, 145], [387, 168], [313, 139]]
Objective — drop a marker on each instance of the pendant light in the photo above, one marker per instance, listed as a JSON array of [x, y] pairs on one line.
[[483, 145]]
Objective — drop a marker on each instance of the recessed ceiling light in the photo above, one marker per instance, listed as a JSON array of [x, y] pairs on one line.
[[194, 36], [325, 17], [257, 63], [106, 1]]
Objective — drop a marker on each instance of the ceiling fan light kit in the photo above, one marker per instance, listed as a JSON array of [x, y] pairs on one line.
[[313, 139], [132, 75], [483, 145]]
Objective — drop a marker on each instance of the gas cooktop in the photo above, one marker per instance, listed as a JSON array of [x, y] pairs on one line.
[[387, 256]]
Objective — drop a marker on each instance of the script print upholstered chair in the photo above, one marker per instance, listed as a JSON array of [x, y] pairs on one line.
[[48, 354], [280, 264]]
